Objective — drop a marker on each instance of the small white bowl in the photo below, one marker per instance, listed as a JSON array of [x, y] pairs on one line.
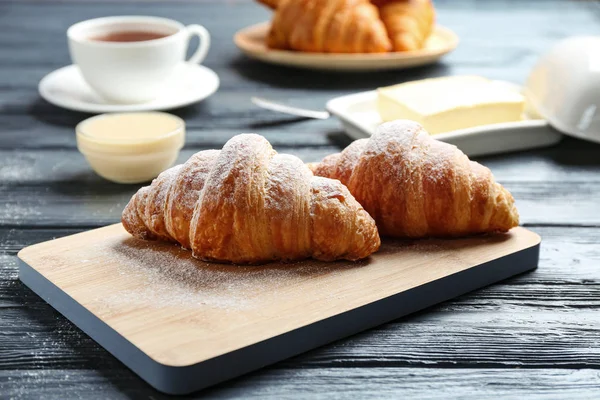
[[564, 87], [131, 147]]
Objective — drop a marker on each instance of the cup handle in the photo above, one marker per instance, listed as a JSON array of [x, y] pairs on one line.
[[203, 46]]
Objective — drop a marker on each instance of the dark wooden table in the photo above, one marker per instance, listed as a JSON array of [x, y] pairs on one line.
[[537, 334]]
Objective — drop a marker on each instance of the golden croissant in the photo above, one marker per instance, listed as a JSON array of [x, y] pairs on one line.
[[248, 204], [409, 23], [350, 26], [415, 186]]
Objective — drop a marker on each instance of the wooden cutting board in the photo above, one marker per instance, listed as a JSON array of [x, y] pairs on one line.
[[183, 325]]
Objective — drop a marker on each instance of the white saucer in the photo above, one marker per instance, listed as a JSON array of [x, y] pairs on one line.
[[66, 88]]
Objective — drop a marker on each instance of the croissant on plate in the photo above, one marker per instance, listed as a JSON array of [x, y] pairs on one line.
[[248, 204], [350, 26], [415, 186]]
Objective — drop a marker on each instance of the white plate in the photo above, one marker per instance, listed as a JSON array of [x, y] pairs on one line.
[[251, 41], [66, 88], [359, 117]]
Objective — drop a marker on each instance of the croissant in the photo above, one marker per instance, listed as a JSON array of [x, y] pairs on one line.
[[248, 204], [350, 26], [415, 186], [328, 26], [408, 22]]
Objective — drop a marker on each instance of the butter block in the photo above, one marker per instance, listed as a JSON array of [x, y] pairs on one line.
[[450, 103]]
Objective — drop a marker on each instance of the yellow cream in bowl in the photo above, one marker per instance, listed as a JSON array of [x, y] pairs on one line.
[[131, 147]]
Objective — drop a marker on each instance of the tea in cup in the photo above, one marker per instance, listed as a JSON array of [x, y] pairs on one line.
[[129, 59]]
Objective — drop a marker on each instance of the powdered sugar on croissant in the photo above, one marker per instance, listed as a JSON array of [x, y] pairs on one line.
[[248, 204], [416, 186]]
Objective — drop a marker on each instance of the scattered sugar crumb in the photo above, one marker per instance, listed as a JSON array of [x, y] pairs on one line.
[[13, 212], [17, 167], [170, 277]]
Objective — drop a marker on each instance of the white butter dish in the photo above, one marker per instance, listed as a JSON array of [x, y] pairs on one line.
[[564, 87], [359, 117]]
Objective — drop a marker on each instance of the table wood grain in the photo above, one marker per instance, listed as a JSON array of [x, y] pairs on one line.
[[535, 335]]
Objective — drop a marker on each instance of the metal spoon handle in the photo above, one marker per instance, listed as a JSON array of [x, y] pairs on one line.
[[282, 108]]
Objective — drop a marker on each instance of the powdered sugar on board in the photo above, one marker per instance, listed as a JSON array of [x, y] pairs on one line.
[[169, 277]]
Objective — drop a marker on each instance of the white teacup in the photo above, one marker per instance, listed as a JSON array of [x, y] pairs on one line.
[[126, 71]]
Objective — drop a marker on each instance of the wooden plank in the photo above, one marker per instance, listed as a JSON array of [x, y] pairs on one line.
[[538, 319], [568, 256], [572, 161], [322, 383], [491, 19], [22, 132], [507, 61], [98, 203], [439, 337]]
